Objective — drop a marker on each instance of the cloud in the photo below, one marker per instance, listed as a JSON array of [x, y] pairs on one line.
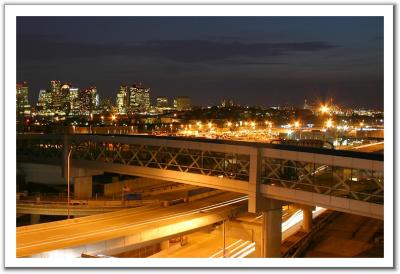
[[176, 50]]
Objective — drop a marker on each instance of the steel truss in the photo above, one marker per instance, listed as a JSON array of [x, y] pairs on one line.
[[358, 184], [210, 163]]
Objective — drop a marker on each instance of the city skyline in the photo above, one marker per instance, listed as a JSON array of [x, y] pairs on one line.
[[242, 135], [254, 60]]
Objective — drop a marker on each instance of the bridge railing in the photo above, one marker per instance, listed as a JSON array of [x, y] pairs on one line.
[[40, 147], [352, 175], [181, 156], [360, 184]]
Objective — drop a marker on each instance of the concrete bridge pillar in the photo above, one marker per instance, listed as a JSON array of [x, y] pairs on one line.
[[307, 217], [272, 233], [255, 180], [271, 230], [35, 219], [83, 187], [164, 245]]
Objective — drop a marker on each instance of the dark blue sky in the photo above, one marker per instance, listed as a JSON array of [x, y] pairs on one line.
[[255, 60]]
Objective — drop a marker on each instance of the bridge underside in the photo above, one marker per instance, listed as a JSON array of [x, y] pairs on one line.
[[339, 180], [126, 228]]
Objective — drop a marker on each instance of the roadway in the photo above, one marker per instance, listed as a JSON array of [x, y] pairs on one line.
[[370, 148], [84, 207], [350, 236], [40, 238]]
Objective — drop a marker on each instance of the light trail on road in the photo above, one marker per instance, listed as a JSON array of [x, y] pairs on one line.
[[57, 239]]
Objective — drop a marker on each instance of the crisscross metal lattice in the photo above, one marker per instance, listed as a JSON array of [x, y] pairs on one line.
[[357, 184], [210, 163], [43, 148]]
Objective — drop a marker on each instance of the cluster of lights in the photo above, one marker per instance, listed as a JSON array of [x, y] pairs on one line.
[[229, 124], [329, 123], [324, 109]]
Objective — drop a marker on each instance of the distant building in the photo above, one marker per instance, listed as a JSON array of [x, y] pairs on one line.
[[56, 95], [73, 100], [105, 105], [139, 98], [182, 103], [123, 100], [65, 102], [88, 101], [23, 107], [227, 102], [44, 104], [162, 102]]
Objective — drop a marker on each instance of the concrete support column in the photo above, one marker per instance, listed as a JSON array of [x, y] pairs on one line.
[[307, 218], [83, 187], [272, 233], [35, 219], [254, 180], [164, 245]]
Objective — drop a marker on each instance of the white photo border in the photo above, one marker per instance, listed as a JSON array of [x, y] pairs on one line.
[[11, 13]]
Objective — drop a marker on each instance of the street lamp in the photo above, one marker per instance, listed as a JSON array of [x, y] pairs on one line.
[[68, 182], [324, 109], [329, 123]]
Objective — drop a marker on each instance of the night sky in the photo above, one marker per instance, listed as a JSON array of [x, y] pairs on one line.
[[263, 61]]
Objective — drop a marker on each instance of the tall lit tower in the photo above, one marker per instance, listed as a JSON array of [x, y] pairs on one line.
[[88, 101], [122, 99], [56, 95], [73, 100], [182, 103], [23, 106], [139, 98]]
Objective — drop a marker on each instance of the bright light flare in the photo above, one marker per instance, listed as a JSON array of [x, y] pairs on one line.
[[329, 123], [324, 109]]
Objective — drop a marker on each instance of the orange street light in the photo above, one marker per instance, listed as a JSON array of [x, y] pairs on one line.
[[329, 123], [324, 109]]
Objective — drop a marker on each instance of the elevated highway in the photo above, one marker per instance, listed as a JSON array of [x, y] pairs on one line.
[[269, 175], [339, 180], [123, 229]]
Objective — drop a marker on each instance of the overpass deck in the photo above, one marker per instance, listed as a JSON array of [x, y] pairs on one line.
[[244, 167], [133, 226]]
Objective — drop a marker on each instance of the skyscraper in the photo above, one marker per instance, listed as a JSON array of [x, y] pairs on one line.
[[23, 106], [139, 98], [73, 100], [57, 97], [65, 102], [88, 101], [162, 102], [182, 103], [44, 104], [122, 100]]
